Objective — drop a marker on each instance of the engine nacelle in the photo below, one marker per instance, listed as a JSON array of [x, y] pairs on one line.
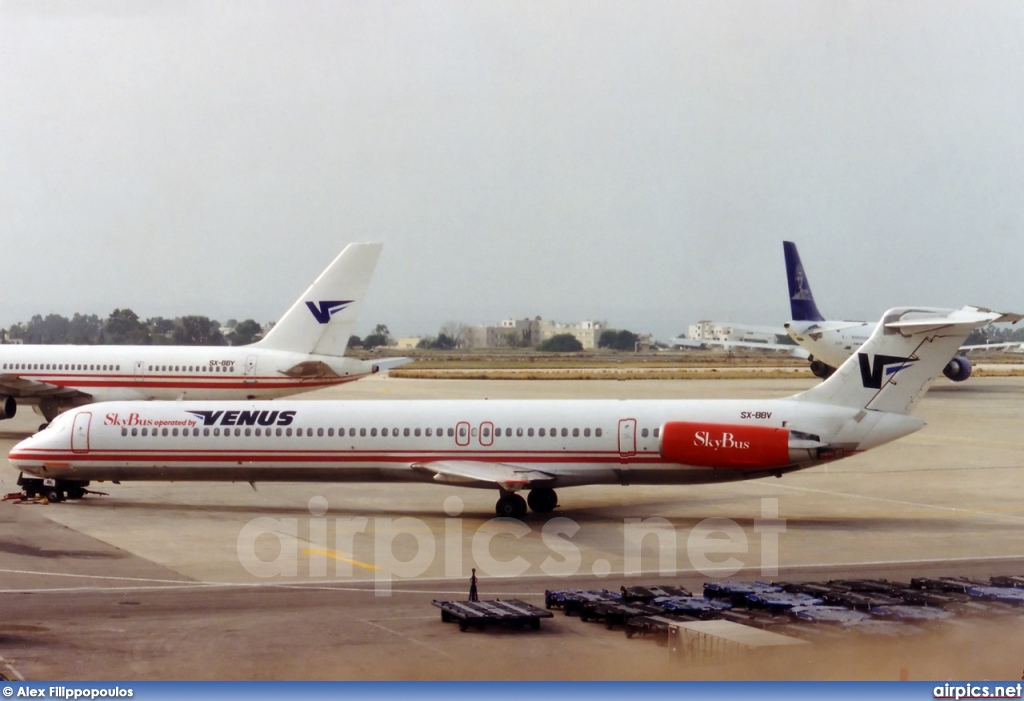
[[725, 445], [821, 370], [958, 369], [8, 407]]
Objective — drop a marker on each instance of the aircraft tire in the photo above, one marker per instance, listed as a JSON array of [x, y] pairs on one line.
[[511, 506], [54, 495], [542, 500]]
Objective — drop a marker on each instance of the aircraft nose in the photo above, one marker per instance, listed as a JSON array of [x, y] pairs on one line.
[[20, 453]]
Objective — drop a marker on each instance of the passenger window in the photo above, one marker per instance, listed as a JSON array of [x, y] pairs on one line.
[[519, 432], [320, 433], [657, 432], [597, 432], [352, 432], [216, 431], [416, 432], [330, 433], [174, 432], [565, 432], [259, 432], [135, 431], [540, 432], [430, 432], [373, 432], [643, 433], [248, 431], [145, 432], [124, 431], [405, 432], [586, 433], [575, 433], [362, 432], [451, 432], [384, 432], [529, 432]]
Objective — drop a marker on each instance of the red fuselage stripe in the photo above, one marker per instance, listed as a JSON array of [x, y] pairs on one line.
[[185, 381]]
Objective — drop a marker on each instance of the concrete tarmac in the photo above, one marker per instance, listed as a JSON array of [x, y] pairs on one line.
[[334, 581]]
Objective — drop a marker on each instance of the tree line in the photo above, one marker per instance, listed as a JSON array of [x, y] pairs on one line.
[[124, 327]]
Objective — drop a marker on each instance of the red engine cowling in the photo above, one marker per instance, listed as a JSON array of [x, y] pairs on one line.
[[725, 445]]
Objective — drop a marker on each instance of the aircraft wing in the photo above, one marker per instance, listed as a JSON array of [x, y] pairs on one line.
[[789, 348], [507, 475], [18, 387], [1012, 346]]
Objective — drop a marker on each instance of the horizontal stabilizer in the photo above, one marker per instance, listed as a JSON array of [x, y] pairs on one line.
[[389, 363], [972, 317], [511, 477]]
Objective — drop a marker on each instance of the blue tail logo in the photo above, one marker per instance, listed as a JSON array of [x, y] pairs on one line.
[[323, 311], [885, 366], [801, 300]]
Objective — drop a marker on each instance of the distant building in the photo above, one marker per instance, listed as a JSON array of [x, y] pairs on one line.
[[519, 333], [707, 332]]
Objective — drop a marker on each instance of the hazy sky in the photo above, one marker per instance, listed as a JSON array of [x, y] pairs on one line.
[[638, 162]]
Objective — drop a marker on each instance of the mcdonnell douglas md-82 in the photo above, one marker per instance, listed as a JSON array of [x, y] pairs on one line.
[[511, 445], [302, 352]]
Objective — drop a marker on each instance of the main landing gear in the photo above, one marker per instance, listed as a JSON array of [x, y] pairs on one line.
[[540, 499]]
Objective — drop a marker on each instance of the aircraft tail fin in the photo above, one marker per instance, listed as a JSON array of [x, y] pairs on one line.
[[321, 320], [907, 351], [801, 300]]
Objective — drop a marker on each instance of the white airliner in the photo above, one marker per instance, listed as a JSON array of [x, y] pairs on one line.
[[302, 352], [831, 342], [509, 445]]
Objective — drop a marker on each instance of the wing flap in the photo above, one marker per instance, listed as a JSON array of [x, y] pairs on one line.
[[506, 475]]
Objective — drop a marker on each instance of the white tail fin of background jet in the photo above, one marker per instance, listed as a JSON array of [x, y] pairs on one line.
[[907, 351], [321, 320]]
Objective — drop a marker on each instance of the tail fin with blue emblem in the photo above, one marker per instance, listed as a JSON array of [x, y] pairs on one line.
[[320, 322], [896, 365], [801, 301]]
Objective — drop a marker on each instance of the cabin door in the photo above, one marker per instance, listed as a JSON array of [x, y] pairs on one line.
[[627, 438], [80, 432], [250, 369]]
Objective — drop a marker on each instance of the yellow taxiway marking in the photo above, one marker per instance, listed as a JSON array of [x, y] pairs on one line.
[[335, 555]]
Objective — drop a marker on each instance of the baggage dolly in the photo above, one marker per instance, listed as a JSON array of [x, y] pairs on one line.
[[511, 613]]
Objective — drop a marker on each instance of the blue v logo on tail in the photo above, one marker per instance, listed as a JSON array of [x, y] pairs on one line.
[[886, 365], [323, 311]]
